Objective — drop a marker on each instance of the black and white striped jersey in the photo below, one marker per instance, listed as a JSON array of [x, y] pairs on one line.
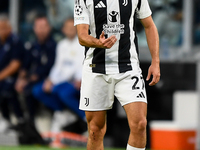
[[114, 17]]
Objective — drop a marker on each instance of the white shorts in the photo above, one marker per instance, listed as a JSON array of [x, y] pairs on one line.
[[98, 90]]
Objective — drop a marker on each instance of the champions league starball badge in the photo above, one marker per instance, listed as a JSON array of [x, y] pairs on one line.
[[78, 10]]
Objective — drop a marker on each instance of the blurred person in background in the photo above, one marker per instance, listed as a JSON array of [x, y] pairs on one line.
[[61, 89], [58, 11], [11, 54], [168, 20], [38, 60]]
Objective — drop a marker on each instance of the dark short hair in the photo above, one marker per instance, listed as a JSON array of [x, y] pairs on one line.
[[41, 16]]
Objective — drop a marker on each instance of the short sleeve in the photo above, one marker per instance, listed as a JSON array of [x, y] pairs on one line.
[[81, 13], [143, 10]]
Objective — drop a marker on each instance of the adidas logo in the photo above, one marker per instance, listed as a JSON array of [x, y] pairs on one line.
[[100, 5], [141, 95]]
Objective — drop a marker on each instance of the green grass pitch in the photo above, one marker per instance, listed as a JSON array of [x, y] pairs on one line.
[[45, 148]]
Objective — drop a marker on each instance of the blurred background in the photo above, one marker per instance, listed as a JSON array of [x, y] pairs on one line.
[[40, 75]]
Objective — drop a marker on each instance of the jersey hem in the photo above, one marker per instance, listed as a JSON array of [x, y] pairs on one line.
[[122, 70]]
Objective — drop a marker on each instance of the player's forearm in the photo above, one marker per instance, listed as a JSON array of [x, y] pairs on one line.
[[9, 70], [89, 41], [153, 43]]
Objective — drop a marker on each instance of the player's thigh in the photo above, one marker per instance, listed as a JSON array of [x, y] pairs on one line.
[[130, 88], [96, 119], [136, 112], [97, 92]]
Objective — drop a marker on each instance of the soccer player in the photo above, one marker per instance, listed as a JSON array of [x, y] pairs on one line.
[[111, 65]]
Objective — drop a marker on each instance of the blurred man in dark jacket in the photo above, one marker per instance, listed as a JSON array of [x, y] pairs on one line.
[[11, 54], [38, 61]]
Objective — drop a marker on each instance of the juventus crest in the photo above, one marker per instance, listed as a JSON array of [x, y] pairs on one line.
[[125, 3]]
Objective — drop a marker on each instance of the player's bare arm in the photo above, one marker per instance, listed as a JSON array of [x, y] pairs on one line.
[[153, 44], [86, 40]]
